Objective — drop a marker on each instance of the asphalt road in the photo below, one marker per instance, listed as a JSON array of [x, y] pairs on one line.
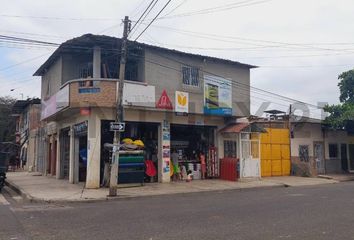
[[319, 212]]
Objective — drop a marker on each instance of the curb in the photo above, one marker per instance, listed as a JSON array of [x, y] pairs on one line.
[[18, 190], [345, 179], [130, 197], [25, 195], [32, 199]]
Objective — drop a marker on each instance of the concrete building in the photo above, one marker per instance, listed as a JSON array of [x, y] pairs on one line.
[[173, 101], [27, 114], [316, 149]]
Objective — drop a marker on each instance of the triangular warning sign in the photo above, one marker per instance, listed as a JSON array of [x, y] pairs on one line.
[[164, 101]]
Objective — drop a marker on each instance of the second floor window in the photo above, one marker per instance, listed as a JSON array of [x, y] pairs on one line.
[[190, 76]]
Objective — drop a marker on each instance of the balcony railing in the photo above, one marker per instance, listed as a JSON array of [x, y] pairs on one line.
[[100, 92]]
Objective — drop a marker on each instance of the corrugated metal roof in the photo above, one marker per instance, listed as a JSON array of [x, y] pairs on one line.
[[89, 40]]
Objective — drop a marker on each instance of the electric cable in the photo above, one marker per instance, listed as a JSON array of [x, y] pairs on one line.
[[153, 20]]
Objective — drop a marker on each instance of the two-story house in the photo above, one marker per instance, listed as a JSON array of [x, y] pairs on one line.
[[173, 101], [27, 114]]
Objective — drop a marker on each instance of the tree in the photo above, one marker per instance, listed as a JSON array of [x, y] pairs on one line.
[[346, 87], [7, 124], [341, 116]]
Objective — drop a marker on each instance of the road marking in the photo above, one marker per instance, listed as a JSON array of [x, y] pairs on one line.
[[3, 201]]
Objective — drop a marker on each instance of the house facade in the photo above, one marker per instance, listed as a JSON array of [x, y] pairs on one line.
[[27, 116], [173, 102], [317, 150]]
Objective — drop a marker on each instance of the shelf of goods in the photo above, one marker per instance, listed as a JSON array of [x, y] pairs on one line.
[[131, 167]]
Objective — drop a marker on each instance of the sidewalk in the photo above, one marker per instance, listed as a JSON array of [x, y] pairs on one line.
[[47, 189], [339, 177]]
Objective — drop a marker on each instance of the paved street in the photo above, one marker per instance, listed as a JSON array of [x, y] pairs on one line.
[[312, 212]]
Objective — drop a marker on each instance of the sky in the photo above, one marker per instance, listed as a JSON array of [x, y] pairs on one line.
[[300, 46]]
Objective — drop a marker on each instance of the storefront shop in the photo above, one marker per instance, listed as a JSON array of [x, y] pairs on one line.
[[138, 155], [193, 143]]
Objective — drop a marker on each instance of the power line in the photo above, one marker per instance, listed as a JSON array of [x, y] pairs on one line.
[[30, 41], [57, 18], [242, 84], [218, 9], [135, 11], [251, 41], [153, 20], [174, 9], [144, 15], [23, 62]]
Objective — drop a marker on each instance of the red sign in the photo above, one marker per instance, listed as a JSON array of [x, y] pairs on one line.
[[85, 111], [164, 101]]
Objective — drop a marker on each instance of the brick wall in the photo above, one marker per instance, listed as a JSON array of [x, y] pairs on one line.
[[105, 97]]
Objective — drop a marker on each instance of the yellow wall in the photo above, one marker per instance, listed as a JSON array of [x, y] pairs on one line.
[[275, 152]]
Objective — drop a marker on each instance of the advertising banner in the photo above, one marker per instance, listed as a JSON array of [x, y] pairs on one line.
[[217, 96], [181, 102], [139, 95]]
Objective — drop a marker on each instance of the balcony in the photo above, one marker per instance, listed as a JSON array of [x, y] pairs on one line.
[[96, 92]]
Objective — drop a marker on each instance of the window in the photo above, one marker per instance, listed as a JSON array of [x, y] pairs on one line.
[[333, 150], [85, 70], [230, 149], [190, 76], [304, 153]]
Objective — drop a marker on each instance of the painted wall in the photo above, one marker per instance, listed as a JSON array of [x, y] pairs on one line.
[[305, 134], [310, 133], [333, 165], [51, 80], [170, 79]]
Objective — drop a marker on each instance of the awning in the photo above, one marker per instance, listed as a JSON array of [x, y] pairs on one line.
[[234, 128], [242, 127]]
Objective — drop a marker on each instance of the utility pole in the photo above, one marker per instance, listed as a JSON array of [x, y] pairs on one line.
[[113, 183]]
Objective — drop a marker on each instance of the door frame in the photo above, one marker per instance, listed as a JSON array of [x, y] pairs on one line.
[[323, 157], [348, 155]]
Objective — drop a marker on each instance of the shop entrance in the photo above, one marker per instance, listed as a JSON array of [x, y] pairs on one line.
[[189, 142], [80, 131], [145, 132], [52, 156], [64, 153], [82, 158]]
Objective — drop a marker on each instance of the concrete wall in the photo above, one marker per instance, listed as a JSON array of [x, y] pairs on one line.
[[305, 134], [51, 80], [309, 134], [34, 116], [333, 165], [170, 79]]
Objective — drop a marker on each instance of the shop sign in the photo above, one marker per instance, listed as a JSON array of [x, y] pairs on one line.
[[139, 95], [80, 128], [55, 103], [181, 102], [85, 111], [164, 101], [217, 96], [89, 90]]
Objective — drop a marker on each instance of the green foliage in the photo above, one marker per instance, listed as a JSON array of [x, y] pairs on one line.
[[7, 123], [346, 87], [342, 115]]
